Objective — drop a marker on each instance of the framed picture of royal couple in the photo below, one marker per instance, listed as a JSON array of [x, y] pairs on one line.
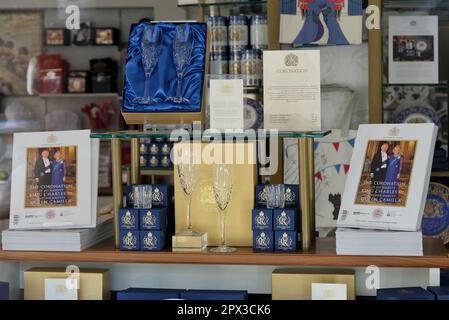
[[387, 182], [54, 180]]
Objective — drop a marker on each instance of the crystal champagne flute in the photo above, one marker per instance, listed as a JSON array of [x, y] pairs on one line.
[[182, 51], [222, 192], [151, 50]]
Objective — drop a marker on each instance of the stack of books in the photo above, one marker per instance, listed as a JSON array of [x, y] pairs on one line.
[[386, 190], [72, 240]]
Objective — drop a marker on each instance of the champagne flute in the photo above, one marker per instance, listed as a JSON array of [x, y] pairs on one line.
[[188, 177], [182, 51], [151, 50], [222, 191]]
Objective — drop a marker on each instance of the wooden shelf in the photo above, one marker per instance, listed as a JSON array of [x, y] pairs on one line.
[[440, 174], [79, 95], [156, 172], [435, 256]]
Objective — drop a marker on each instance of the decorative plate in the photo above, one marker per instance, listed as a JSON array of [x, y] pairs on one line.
[[435, 222], [421, 46], [253, 114], [418, 113], [389, 96], [412, 94]]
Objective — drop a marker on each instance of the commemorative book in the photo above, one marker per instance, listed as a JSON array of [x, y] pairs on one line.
[[388, 178], [54, 180]]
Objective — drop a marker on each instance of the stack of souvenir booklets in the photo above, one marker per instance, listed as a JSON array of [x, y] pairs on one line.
[[386, 189], [59, 240], [54, 186]]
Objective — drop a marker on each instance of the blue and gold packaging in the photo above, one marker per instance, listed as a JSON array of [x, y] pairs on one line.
[[129, 240], [152, 240], [410, 293], [149, 294], [128, 218], [153, 148], [261, 195], [153, 219], [153, 161], [285, 219], [129, 195], [162, 196], [262, 219], [285, 241], [291, 195], [263, 240], [165, 162], [165, 148], [441, 293], [4, 291], [214, 295]]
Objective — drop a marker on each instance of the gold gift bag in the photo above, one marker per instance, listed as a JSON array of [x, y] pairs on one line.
[[93, 283], [205, 213], [296, 284]]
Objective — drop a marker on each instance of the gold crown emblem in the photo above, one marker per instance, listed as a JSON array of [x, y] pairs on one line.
[[291, 60], [52, 138], [394, 131]]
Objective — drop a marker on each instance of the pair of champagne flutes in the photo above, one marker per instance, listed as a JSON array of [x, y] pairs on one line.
[[222, 188], [142, 196]]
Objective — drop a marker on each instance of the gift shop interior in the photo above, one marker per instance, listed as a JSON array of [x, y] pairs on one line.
[[224, 150]]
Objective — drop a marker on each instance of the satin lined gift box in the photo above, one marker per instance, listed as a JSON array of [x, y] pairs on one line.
[[163, 80]]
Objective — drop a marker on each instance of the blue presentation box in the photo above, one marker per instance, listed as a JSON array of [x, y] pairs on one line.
[[129, 240], [441, 293], [4, 291], [161, 193], [263, 240], [410, 293], [285, 241], [214, 295], [149, 294], [262, 219], [291, 195], [285, 219], [128, 218], [153, 219], [152, 240]]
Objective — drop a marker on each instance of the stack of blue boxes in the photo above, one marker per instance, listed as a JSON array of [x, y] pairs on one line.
[[169, 294], [413, 293], [276, 229], [155, 153], [147, 229], [4, 291]]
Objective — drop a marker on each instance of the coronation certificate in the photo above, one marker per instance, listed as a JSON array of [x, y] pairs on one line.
[[226, 104], [54, 180], [292, 93], [387, 183]]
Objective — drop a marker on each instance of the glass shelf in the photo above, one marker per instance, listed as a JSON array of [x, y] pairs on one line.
[[416, 4], [204, 135], [210, 3], [441, 84]]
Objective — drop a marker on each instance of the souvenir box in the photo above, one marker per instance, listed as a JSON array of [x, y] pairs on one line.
[[296, 283], [285, 219], [78, 82], [153, 92], [262, 219], [285, 241], [263, 241], [410, 293], [129, 240], [128, 218], [153, 219], [52, 73], [214, 295], [152, 240], [4, 291], [57, 37], [441, 293], [149, 294], [93, 283], [103, 75], [205, 212]]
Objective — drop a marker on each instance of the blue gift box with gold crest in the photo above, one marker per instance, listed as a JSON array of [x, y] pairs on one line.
[[410, 293], [441, 293], [128, 219], [262, 219], [152, 240], [165, 71], [285, 219], [285, 241], [214, 295], [161, 196], [263, 240], [153, 219], [129, 240]]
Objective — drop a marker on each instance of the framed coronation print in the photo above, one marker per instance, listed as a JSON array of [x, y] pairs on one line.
[[388, 178], [54, 180]]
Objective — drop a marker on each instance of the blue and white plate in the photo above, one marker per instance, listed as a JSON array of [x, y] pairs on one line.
[[435, 222], [253, 114], [418, 113]]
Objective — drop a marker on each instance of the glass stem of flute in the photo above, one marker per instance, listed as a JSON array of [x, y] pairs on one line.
[[223, 229], [189, 213]]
